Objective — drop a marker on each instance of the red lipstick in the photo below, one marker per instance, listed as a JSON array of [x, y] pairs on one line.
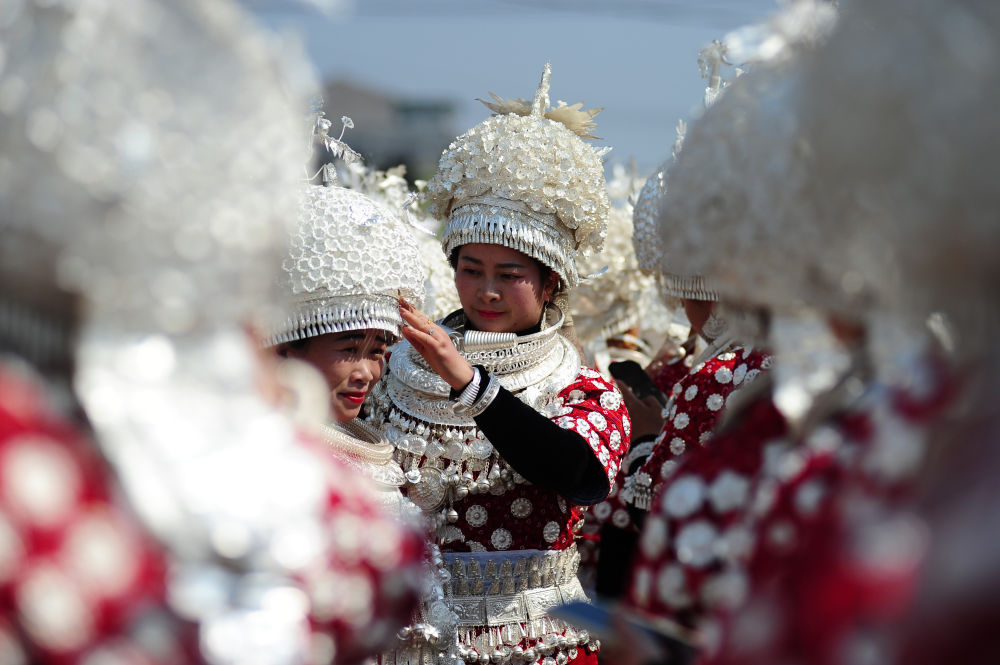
[[354, 398]]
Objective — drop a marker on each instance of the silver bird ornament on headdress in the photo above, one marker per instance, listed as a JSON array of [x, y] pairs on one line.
[[349, 259]]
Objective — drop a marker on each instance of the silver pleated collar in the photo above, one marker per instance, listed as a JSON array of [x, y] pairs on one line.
[[535, 367]]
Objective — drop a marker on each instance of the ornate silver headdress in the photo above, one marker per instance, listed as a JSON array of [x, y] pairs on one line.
[[734, 176], [349, 261], [907, 168], [648, 246], [390, 189], [525, 179]]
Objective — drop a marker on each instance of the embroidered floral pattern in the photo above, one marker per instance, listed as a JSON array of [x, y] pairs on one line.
[[597, 420], [551, 532], [705, 392], [723, 375], [684, 496], [525, 511], [698, 506], [611, 400]]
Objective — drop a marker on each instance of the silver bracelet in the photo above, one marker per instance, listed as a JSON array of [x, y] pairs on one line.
[[471, 390], [489, 394]]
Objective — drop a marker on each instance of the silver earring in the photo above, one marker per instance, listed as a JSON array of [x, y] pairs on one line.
[[714, 327]]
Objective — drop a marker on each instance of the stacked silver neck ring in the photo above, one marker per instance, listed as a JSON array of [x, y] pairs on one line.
[[445, 455]]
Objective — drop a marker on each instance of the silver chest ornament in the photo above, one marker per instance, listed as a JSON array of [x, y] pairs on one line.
[[445, 456]]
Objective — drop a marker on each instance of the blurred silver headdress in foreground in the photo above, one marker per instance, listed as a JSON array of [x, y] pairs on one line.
[[155, 147], [125, 134], [910, 161], [723, 215]]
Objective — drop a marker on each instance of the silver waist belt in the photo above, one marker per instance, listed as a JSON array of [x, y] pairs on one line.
[[512, 590]]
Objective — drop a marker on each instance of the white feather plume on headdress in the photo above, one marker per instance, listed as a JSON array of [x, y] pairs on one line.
[[574, 117]]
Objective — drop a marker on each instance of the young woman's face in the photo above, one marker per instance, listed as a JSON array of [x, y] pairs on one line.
[[351, 362], [500, 288]]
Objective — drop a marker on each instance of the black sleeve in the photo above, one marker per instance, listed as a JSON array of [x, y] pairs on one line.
[[544, 453]]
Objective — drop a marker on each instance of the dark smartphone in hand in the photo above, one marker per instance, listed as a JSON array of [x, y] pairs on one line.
[[634, 376]]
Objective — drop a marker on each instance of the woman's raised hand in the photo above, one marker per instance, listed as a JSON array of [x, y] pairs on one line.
[[432, 342]]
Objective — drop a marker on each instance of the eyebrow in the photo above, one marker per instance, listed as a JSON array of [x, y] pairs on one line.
[[357, 335], [509, 264]]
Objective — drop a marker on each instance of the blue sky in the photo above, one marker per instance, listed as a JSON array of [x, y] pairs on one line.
[[636, 58]]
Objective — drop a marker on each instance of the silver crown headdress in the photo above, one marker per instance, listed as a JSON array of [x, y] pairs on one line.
[[350, 259], [525, 179]]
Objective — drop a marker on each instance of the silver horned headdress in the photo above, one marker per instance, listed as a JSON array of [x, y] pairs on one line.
[[525, 179]]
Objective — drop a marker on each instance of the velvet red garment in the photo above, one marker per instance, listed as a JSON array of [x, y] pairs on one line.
[[530, 517], [697, 402]]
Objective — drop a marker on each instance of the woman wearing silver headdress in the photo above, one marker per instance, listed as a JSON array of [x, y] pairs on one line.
[[349, 261], [502, 435]]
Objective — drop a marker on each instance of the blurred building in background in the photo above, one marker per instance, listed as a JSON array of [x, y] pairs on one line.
[[392, 130]]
